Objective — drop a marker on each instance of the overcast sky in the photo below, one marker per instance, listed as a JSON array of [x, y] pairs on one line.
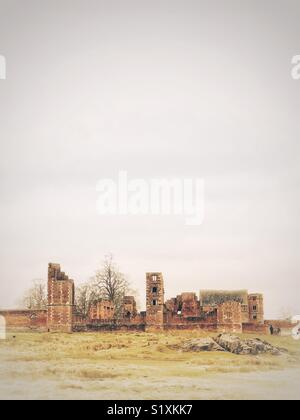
[[158, 88]]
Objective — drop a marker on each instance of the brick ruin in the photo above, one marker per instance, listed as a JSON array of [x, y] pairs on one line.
[[155, 301], [129, 308], [61, 300], [25, 320], [103, 310], [221, 311]]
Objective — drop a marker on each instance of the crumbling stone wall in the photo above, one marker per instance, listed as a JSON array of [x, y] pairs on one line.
[[61, 300]]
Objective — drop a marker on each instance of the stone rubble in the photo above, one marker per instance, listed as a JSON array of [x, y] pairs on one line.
[[232, 344], [201, 344]]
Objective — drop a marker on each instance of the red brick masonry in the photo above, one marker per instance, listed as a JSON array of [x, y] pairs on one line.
[[232, 311]]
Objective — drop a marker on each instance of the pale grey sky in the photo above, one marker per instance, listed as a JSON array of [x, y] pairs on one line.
[[187, 88]]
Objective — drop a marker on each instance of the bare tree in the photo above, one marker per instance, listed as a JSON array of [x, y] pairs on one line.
[[36, 296], [111, 284], [86, 295], [286, 314]]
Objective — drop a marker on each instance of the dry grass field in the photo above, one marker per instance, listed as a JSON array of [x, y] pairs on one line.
[[131, 366]]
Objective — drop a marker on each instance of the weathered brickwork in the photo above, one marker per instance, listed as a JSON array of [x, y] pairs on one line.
[[252, 306], [102, 310], [254, 328], [25, 320], [224, 311], [256, 308], [61, 300], [190, 306], [230, 317], [279, 327], [185, 304], [129, 308], [155, 300]]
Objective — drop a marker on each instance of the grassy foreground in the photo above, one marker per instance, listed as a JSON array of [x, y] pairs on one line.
[[140, 366]]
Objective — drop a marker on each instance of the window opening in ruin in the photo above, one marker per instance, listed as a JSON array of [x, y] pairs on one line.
[[155, 303], [154, 290]]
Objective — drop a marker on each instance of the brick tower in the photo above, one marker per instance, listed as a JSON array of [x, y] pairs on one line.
[[256, 308], [61, 298], [155, 299]]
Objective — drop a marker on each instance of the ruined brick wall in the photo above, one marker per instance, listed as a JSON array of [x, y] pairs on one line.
[[245, 313], [213, 298], [229, 315], [137, 323], [129, 309], [185, 304], [109, 327], [190, 305], [198, 326], [279, 323], [25, 320], [139, 319], [280, 327], [256, 308], [61, 297], [155, 299], [210, 299], [226, 319], [225, 310], [179, 322], [250, 328], [79, 320], [102, 310], [172, 306]]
